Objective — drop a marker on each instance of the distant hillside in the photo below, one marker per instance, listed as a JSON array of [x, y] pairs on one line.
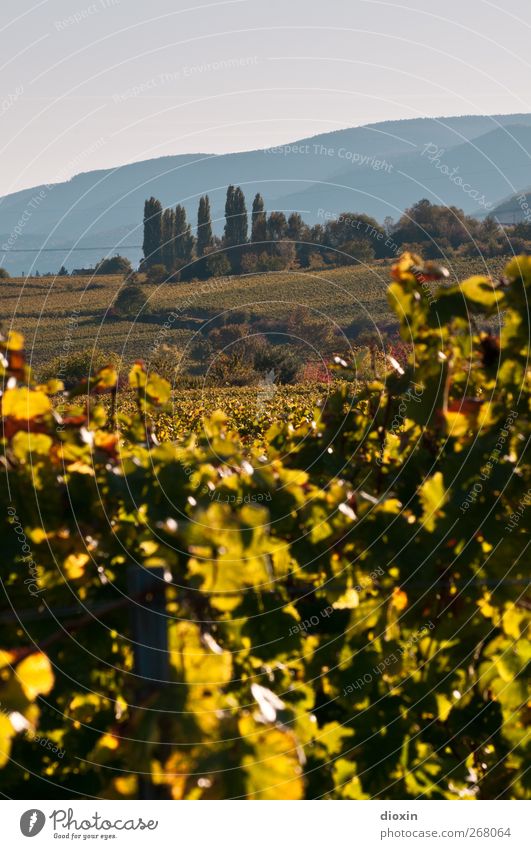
[[379, 169], [67, 314], [515, 209], [473, 176]]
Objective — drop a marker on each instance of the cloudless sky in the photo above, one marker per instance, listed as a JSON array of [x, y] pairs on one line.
[[90, 84]]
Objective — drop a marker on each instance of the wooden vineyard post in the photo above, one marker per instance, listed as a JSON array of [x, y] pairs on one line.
[[147, 590]]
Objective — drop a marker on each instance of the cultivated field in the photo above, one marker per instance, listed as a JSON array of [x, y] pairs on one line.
[[66, 314]]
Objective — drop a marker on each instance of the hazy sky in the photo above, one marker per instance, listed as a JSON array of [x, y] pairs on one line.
[[91, 84]]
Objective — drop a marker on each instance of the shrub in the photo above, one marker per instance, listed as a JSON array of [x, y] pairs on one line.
[[217, 265], [357, 250], [249, 263], [169, 362], [130, 301], [72, 367], [285, 361], [157, 274], [231, 368], [114, 265]]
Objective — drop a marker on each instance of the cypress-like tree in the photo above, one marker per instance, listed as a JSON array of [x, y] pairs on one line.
[[184, 241], [168, 239], [258, 220], [229, 217], [240, 217], [205, 239], [152, 232], [236, 224]]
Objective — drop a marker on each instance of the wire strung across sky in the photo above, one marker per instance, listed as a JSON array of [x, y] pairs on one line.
[[63, 250]]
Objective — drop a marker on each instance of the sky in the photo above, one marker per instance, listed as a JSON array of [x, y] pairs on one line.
[[89, 84]]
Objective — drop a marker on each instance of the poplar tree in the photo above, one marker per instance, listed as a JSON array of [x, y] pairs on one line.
[[152, 232], [205, 239], [236, 225], [235, 218], [168, 239], [184, 241], [258, 220]]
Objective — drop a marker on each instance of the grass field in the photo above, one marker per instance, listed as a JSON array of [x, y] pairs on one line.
[[59, 315]]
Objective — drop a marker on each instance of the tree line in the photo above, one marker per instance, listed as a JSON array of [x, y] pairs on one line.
[[174, 250], [273, 241], [267, 242]]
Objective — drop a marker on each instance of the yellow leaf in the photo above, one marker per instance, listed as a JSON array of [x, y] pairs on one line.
[[106, 378], [137, 376], [7, 732], [390, 505], [30, 445], [75, 565], [194, 661], [459, 424], [402, 270], [6, 658], [519, 268], [38, 535], [399, 599], [127, 786], [515, 622], [480, 290], [348, 601], [35, 675], [158, 390], [444, 706], [24, 403], [273, 771], [109, 741], [54, 386], [486, 607], [15, 341], [433, 497]]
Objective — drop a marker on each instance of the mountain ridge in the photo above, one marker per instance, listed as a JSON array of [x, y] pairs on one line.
[[95, 212]]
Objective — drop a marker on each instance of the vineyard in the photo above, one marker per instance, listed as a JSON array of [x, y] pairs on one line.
[[58, 315], [198, 604], [249, 411]]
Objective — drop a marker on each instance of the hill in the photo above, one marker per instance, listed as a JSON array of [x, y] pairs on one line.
[[515, 209], [379, 169], [65, 314], [472, 175], [72, 313]]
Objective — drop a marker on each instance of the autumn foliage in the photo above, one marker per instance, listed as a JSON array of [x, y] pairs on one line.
[[345, 605]]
